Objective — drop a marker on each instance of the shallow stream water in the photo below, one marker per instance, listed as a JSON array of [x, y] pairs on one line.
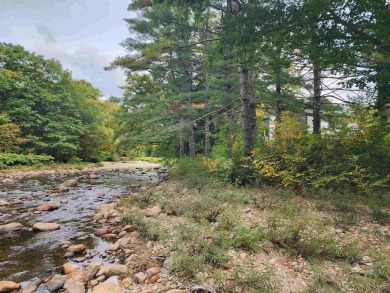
[[26, 255]]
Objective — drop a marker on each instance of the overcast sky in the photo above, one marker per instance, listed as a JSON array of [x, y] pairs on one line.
[[84, 35]]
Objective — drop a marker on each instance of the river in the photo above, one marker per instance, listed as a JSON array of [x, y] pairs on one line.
[[26, 255]]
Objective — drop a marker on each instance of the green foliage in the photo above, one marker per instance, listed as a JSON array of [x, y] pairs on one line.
[[194, 250], [247, 239], [354, 156], [7, 160], [49, 113], [247, 279], [147, 229], [192, 172], [381, 216], [289, 228]]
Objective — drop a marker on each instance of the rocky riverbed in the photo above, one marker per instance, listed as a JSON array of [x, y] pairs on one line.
[[50, 237]]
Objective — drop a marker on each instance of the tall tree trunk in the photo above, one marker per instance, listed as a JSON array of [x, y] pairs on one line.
[[181, 143], [382, 103], [229, 137], [191, 139], [207, 122], [278, 86], [317, 99], [248, 109], [207, 85], [191, 131]]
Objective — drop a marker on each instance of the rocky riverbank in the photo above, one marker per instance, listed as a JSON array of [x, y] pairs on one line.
[[165, 237], [22, 230]]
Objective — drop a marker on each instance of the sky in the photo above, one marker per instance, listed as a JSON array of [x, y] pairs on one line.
[[84, 35]]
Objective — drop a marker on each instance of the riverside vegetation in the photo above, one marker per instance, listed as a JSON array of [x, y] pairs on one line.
[[264, 240], [273, 118]]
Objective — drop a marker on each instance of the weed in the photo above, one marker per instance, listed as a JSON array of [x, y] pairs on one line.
[[194, 249], [247, 279], [322, 282], [381, 216], [99, 164], [228, 219], [146, 228], [247, 239]]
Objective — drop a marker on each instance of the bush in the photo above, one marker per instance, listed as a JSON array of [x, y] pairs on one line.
[[194, 250], [381, 216], [146, 228], [354, 155], [95, 159], [247, 239], [192, 172], [7, 160]]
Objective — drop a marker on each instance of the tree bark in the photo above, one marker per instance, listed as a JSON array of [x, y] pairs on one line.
[[191, 139], [278, 86], [317, 99], [207, 85], [207, 122], [382, 103], [229, 137], [248, 109], [181, 143]]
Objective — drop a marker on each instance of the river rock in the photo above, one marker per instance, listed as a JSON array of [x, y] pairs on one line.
[[112, 270], [75, 281], [152, 271], [126, 282], [77, 248], [45, 227], [154, 211], [6, 286], [93, 283], [55, 283], [49, 206], [98, 216], [69, 267], [105, 208], [53, 195], [70, 183], [129, 228], [3, 203], [140, 277], [65, 244], [105, 288], [64, 201], [69, 254], [62, 188], [91, 253], [32, 287], [109, 236], [119, 244], [101, 232], [92, 269], [10, 227], [110, 285]]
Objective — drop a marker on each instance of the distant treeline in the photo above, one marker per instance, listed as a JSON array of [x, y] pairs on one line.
[[43, 111]]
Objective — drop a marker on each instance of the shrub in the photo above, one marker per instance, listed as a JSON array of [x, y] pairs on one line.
[[146, 228], [247, 279], [380, 216], [194, 249], [247, 239], [354, 155], [7, 160], [194, 173]]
